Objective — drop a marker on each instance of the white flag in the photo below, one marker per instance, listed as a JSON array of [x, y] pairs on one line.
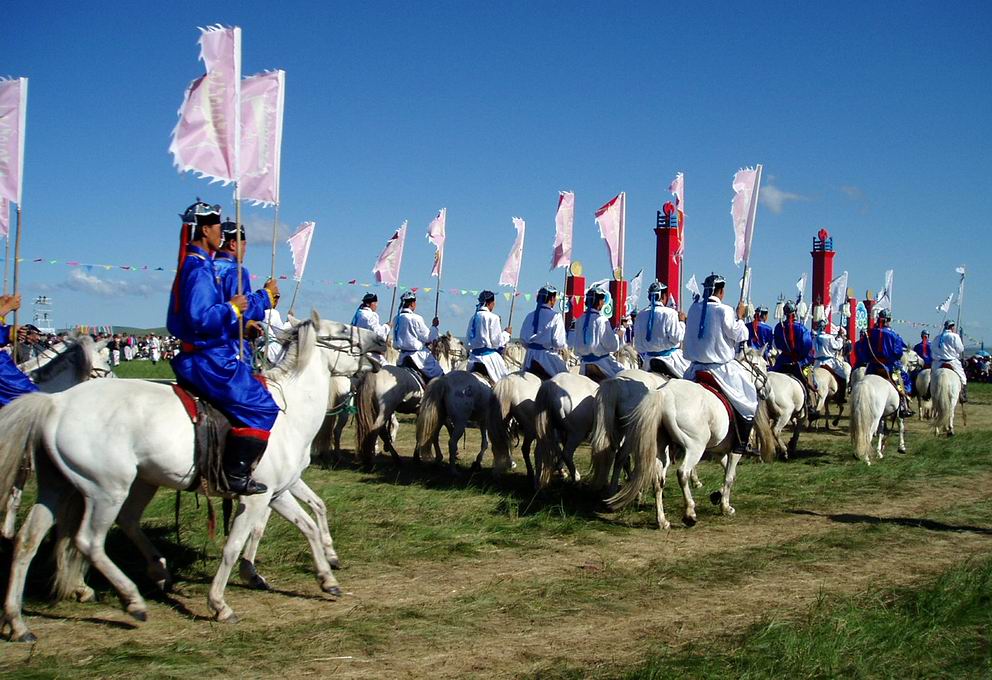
[[435, 234], [510, 275], [884, 297], [635, 290], [838, 293], [693, 287], [743, 209], [562, 254], [801, 287], [945, 306], [960, 270]]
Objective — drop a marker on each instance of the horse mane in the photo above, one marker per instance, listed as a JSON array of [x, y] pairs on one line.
[[76, 352], [295, 356]]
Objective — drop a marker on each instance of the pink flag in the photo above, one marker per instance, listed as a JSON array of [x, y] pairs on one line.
[[299, 246], [746, 185], [387, 267], [677, 189], [562, 255], [610, 219], [435, 234], [4, 217], [510, 275], [206, 138], [13, 111], [262, 97]]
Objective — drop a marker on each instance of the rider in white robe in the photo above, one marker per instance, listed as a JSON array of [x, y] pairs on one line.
[[367, 316], [486, 339], [543, 333], [713, 332], [827, 349], [659, 331], [411, 335], [594, 339], [948, 349]]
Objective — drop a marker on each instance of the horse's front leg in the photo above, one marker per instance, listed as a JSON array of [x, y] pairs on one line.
[[287, 506], [251, 512], [660, 474], [684, 476], [319, 509], [729, 463], [477, 465], [902, 436], [246, 567]]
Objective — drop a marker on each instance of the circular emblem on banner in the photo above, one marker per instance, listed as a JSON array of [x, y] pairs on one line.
[[575, 269], [861, 317]]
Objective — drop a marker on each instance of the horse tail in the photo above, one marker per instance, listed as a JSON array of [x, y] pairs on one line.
[[643, 434], [765, 432], [548, 447], [864, 419], [70, 564], [366, 417], [605, 438], [942, 394], [499, 435], [21, 422], [431, 415]]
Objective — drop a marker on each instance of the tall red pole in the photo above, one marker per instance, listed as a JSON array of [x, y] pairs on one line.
[[667, 267], [823, 271]]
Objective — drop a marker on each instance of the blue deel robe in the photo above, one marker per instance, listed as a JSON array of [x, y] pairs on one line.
[[13, 383], [760, 335], [796, 348], [925, 352], [885, 351], [207, 324], [226, 266]]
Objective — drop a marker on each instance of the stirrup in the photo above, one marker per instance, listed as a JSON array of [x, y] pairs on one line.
[[245, 486]]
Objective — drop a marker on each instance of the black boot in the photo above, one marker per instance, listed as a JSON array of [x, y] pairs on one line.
[[743, 443], [904, 410], [243, 450]]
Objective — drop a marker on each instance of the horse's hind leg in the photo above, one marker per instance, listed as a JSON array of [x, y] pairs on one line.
[[455, 433], [342, 422], [683, 473], [661, 472], [794, 441], [319, 509], [729, 463], [100, 513], [129, 520], [525, 449], [287, 506], [568, 454], [36, 526], [902, 436], [14, 503], [477, 465], [246, 566]]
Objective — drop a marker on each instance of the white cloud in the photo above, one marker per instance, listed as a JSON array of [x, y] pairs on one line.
[[81, 281], [258, 230], [852, 192], [775, 199]]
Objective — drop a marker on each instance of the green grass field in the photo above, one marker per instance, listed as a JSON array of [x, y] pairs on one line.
[[830, 568]]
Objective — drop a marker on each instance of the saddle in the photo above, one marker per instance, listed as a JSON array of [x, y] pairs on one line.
[[210, 428], [658, 366], [418, 375], [595, 373], [480, 369], [706, 380]]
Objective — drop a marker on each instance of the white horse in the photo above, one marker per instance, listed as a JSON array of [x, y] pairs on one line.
[[680, 421], [517, 395], [94, 468], [784, 404], [453, 400], [565, 410], [924, 398], [946, 392], [873, 399], [55, 369], [616, 400], [384, 393]]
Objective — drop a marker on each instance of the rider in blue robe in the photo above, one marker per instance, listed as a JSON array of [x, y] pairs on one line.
[[226, 264], [879, 352], [795, 345], [924, 350], [13, 383], [759, 334], [207, 325]]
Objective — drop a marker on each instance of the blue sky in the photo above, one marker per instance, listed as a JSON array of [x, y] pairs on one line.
[[871, 120]]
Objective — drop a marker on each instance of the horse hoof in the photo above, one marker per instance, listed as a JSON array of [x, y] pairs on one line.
[[689, 521], [332, 590], [85, 594], [729, 512], [902, 449], [258, 582], [138, 614], [27, 637], [716, 497], [231, 618], [164, 585]]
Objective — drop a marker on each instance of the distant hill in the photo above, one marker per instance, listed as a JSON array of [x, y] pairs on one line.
[[128, 330]]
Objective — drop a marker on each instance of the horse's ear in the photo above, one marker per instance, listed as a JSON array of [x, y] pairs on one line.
[[315, 318]]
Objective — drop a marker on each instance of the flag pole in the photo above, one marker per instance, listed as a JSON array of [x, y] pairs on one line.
[[240, 242], [6, 262], [513, 301], [17, 267], [275, 227], [437, 291], [292, 302], [960, 298], [392, 304]]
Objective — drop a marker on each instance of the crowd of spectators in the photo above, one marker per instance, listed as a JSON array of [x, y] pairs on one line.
[[120, 346]]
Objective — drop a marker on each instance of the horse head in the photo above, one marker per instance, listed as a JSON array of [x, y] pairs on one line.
[[348, 348]]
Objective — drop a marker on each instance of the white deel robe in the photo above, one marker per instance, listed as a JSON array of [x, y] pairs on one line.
[[155, 349], [667, 333], [947, 349], [366, 318], [715, 351], [410, 337], [825, 353], [594, 341], [485, 338], [273, 325], [544, 339]]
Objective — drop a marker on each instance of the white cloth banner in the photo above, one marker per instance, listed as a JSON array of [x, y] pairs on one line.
[[693, 287], [838, 293], [884, 297], [299, 247], [4, 217], [13, 118], [610, 221], [801, 287], [510, 275], [945, 306], [740, 210], [262, 98], [564, 218], [387, 267], [435, 234], [635, 291]]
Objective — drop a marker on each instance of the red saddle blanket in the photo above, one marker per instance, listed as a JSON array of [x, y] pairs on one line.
[[707, 381]]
